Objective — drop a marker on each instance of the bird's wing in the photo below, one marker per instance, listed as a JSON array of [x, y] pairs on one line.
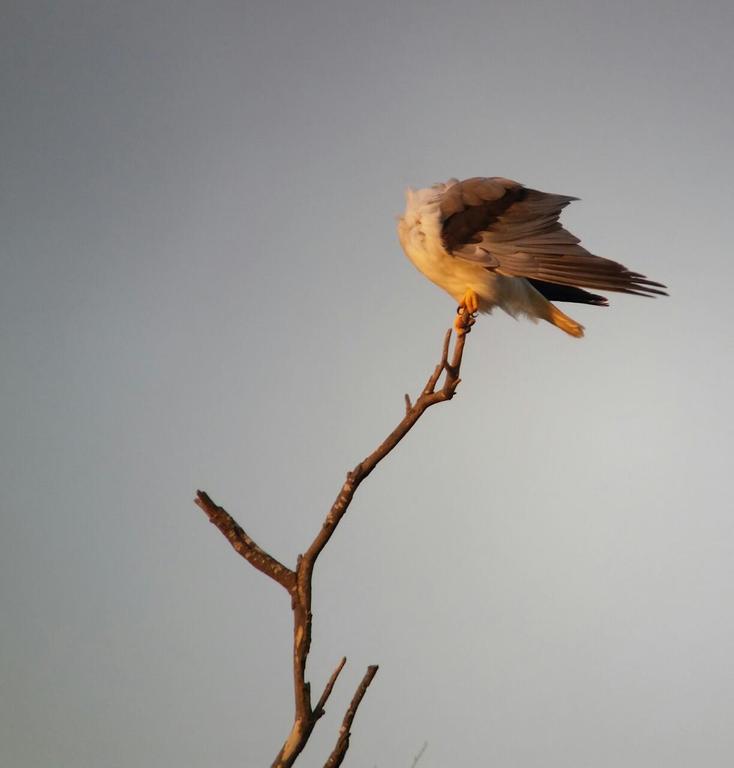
[[513, 230]]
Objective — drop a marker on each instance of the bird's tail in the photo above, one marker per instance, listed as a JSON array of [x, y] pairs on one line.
[[554, 316]]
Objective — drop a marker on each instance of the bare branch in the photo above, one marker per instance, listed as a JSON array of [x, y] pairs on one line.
[[319, 708], [243, 544], [428, 397], [441, 367], [342, 743], [299, 582]]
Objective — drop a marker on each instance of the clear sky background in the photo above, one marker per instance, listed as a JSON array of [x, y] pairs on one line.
[[201, 287]]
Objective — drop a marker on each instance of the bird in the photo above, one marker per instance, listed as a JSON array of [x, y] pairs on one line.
[[492, 242]]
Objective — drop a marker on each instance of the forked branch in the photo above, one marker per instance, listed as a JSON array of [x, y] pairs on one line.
[[298, 582]]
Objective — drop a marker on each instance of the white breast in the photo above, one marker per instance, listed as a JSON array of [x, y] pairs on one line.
[[419, 230]]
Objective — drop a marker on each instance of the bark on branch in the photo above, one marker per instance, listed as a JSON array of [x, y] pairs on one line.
[[243, 544], [298, 582]]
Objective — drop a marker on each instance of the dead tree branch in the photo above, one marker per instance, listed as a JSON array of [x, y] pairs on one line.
[[342, 743], [298, 582], [243, 544]]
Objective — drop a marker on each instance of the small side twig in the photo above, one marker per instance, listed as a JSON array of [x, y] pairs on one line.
[[298, 582], [318, 710], [243, 544], [342, 743]]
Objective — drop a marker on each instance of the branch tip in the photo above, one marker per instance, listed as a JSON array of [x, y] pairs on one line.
[[242, 543], [342, 743], [319, 709]]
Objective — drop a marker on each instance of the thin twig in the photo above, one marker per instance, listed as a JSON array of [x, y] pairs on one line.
[[428, 397], [319, 708], [342, 743]]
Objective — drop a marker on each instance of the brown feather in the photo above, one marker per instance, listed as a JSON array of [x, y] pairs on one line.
[[464, 220], [515, 231]]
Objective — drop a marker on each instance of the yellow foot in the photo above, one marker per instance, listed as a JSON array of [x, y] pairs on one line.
[[470, 302], [466, 312]]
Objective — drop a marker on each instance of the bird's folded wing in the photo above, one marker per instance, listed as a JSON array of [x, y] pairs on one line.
[[515, 231]]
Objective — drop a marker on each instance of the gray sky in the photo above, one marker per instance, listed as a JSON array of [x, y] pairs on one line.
[[202, 287]]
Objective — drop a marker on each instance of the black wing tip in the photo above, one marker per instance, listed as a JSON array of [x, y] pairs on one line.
[[594, 299], [570, 293]]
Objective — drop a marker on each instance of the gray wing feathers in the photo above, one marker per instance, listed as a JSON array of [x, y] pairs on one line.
[[588, 271], [515, 231]]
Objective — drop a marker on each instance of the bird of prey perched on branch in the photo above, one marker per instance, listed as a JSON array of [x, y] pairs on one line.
[[491, 242]]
